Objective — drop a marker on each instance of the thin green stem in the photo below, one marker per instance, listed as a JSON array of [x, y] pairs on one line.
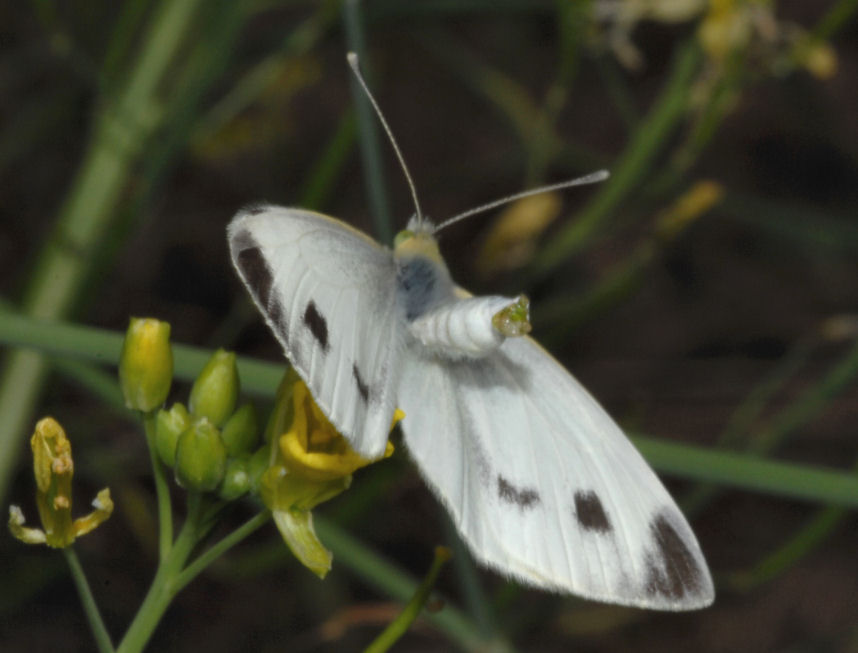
[[804, 482], [788, 553], [740, 425], [399, 626], [90, 607], [387, 578], [164, 587], [214, 552], [633, 166], [162, 490], [810, 404], [834, 19], [103, 346], [473, 595], [368, 136]]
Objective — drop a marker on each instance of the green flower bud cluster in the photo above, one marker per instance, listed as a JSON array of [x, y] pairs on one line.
[[211, 445]]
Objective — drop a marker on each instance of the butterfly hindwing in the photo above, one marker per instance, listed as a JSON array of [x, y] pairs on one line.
[[543, 485], [317, 281]]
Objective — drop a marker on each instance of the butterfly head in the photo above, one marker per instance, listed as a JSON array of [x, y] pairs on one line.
[[417, 239]]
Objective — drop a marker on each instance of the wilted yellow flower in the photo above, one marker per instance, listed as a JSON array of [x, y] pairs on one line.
[[53, 468], [512, 239], [701, 197], [818, 58]]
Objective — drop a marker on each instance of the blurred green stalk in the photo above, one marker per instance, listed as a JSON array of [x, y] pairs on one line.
[[632, 168], [748, 471], [120, 134]]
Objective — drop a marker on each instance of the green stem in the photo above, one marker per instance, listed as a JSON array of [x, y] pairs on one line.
[[804, 482], [162, 490], [204, 560], [368, 138], [741, 422], [633, 166], [377, 572], [103, 346], [835, 18], [164, 587], [399, 626], [790, 552], [810, 404], [99, 631]]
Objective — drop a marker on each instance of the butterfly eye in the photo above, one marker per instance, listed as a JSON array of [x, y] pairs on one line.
[[402, 236]]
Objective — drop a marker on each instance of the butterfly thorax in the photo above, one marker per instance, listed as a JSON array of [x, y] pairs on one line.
[[444, 320]]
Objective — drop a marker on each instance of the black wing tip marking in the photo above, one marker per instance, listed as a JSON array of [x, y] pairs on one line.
[[590, 512], [523, 497], [362, 387], [258, 277], [317, 324], [253, 266], [672, 571]]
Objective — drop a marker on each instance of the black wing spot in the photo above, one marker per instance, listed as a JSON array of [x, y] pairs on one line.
[[672, 572], [523, 497], [590, 512], [317, 324], [255, 270], [363, 388]]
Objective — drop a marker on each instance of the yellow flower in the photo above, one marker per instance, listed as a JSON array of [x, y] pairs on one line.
[[312, 448], [53, 468], [312, 464]]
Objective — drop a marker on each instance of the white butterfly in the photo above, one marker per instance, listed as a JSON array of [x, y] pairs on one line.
[[542, 485]]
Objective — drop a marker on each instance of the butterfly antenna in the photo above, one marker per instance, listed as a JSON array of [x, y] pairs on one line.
[[592, 178], [352, 58]]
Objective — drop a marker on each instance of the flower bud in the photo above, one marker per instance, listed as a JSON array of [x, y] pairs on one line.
[[258, 464], [240, 434], [200, 457], [215, 391], [236, 480], [146, 364], [169, 425]]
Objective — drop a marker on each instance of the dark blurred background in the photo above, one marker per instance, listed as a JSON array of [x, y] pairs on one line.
[[705, 294]]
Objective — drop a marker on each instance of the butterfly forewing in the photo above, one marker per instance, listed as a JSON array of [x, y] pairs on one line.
[[543, 485], [317, 281]]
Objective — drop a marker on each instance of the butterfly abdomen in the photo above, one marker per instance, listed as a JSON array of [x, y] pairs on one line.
[[462, 328]]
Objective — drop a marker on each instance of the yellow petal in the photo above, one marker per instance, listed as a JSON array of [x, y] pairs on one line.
[[296, 527], [17, 528], [103, 505]]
